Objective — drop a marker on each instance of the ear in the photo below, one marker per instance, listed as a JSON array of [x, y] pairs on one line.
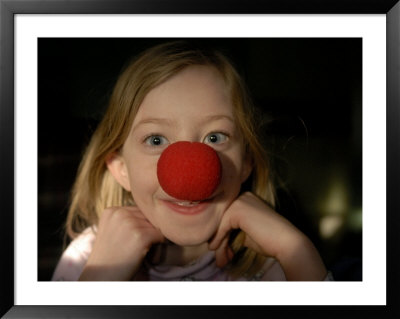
[[117, 167], [247, 168]]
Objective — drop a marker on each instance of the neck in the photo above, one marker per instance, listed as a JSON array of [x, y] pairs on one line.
[[171, 254]]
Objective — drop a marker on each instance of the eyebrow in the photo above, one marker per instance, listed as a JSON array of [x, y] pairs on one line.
[[169, 122], [218, 117]]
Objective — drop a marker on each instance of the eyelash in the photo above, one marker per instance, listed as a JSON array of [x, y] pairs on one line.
[[153, 135], [227, 136]]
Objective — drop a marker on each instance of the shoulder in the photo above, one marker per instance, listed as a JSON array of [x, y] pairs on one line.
[[75, 257]]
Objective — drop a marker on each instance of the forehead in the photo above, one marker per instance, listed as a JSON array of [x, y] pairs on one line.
[[195, 90]]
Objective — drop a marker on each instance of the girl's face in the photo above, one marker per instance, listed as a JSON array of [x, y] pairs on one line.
[[193, 105]]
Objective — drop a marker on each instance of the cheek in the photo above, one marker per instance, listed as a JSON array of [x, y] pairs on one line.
[[231, 169], [143, 175]]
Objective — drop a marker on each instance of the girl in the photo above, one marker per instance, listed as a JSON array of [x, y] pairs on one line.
[[123, 224]]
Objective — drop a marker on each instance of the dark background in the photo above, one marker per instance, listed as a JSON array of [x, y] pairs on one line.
[[309, 89]]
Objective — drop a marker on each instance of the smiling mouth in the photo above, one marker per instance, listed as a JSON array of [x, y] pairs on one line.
[[187, 203], [188, 207]]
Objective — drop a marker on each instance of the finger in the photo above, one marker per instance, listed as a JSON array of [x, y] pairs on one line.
[[223, 229], [224, 254], [158, 237]]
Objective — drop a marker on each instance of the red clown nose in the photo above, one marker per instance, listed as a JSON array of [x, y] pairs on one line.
[[189, 171]]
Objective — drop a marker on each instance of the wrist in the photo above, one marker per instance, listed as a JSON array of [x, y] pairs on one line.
[[107, 272], [301, 261], [112, 267], [290, 245]]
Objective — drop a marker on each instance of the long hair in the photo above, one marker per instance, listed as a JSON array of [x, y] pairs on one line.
[[95, 188]]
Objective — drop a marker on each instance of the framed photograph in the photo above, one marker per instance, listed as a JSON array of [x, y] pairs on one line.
[[323, 72]]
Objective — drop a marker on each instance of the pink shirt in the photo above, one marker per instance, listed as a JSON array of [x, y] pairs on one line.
[[74, 258]]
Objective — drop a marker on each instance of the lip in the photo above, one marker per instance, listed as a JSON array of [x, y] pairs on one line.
[[188, 210]]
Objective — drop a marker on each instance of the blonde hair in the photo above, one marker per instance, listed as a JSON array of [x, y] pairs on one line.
[[95, 188]]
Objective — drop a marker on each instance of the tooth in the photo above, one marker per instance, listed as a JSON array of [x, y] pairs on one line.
[[187, 203]]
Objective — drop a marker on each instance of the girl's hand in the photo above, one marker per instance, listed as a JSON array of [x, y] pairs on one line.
[[269, 234], [124, 237]]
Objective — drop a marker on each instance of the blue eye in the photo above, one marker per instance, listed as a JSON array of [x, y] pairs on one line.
[[155, 140], [216, 138]]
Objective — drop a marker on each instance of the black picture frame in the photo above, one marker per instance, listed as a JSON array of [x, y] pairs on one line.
[[8, 10]]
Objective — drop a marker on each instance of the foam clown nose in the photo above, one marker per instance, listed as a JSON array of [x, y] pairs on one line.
[[189, 171]]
